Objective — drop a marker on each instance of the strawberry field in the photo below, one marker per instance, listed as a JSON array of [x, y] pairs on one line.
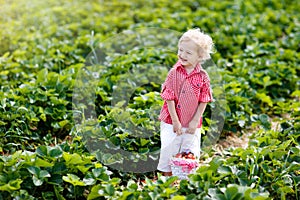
[[79, 98]]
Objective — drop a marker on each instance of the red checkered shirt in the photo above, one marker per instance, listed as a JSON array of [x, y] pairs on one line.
[[187, 91]]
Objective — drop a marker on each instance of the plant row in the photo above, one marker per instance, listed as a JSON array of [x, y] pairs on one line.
[[268, 168]]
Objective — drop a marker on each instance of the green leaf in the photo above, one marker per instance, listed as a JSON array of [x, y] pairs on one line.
[[44, 174], [55, 179], [241, 123], [264, 118], [215, 163], [42, 75], [265, 98], [115, 181], [97, 171], [38, 175], [132, 185], [43, 117], [22, 109], [34, 170], [266, 81], [96, 192], [83, 168], [11, 185], [55, 152], [73, 179], [59, 168], [72, 159], [2, 123], [110, 190], [42, 150], [214, 194], [37, 181], [89, 181], [224, 170], [296, 93], [57, 193], [126, 194], [169, 181], [232, 192], [178, 197], [63, 123], [42, 163], [144, 141]]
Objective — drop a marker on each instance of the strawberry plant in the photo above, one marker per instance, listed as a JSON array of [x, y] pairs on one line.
[[46, 46]]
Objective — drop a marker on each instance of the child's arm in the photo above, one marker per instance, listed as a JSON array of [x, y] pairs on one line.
[[195, 121], [175, 121]]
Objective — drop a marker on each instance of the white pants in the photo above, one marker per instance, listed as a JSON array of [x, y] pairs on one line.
[[171, 144]]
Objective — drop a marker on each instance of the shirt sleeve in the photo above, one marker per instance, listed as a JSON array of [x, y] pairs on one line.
[[206, 92], [167, 92]]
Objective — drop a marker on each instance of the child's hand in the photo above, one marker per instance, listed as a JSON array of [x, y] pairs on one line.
[[177, 128], [192, 127]]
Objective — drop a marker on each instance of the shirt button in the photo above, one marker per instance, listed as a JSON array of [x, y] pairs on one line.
[[178, 106], [183, 91]]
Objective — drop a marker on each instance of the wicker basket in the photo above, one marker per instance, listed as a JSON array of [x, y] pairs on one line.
[[182, 167]]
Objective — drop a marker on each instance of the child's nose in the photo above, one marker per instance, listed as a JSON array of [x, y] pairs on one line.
[[182, 54]]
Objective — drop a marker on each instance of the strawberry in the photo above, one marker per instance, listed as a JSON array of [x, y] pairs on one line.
[[178, 155], [190, 156]]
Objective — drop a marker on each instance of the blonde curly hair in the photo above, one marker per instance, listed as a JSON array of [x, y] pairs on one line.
[[202, 40]]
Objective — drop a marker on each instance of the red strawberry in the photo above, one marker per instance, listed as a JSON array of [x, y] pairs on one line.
[[190, 156], [178, 155]]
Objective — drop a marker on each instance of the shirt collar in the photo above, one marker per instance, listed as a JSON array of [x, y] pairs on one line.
[[179, 66]]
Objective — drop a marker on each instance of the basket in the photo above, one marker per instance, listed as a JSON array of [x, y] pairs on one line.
[[182, 167]]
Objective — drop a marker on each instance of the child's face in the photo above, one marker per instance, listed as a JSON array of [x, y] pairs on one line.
[[188, 53]]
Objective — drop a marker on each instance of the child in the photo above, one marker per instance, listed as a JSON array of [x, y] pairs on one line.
[[185, 92]]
